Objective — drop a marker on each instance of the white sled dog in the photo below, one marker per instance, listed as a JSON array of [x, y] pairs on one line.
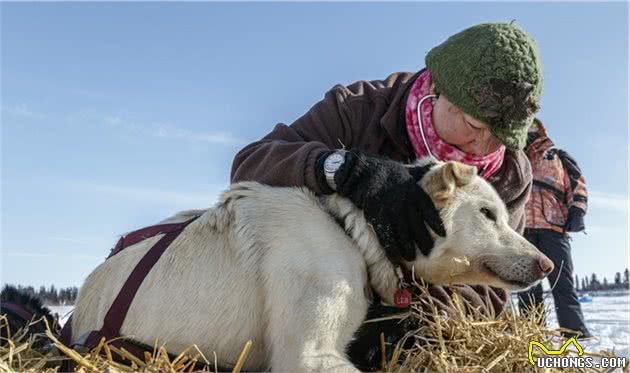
[[274, 265]]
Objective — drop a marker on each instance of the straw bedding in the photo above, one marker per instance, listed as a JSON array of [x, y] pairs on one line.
[[468, 341]]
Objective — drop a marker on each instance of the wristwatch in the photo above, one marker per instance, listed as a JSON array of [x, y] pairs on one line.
[[332, 163]]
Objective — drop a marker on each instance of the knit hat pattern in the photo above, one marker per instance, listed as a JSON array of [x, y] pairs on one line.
[[493, 72]]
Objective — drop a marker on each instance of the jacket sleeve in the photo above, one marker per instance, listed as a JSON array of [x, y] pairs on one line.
[[516, 208], [287, 155], [517, 188], [574, 182]]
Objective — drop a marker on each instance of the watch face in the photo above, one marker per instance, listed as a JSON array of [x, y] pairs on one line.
[[333, 162]]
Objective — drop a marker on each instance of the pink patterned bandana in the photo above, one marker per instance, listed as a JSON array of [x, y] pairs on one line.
[[486, 164]]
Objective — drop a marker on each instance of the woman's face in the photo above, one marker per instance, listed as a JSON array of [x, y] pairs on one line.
[[461, 130]]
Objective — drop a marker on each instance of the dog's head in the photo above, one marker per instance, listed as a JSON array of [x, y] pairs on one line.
[[480, 248]]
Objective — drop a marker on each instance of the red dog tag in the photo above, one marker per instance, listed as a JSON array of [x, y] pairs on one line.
[[402, 298]]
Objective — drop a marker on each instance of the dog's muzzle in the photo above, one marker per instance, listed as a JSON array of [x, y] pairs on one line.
[[522, 272]]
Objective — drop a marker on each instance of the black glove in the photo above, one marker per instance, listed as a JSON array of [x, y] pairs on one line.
[[575, 220], [392, 201]]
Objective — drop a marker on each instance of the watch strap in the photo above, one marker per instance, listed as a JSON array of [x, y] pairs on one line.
[[320, 176]]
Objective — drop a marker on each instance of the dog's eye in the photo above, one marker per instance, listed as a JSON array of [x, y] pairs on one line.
[[488, 214]]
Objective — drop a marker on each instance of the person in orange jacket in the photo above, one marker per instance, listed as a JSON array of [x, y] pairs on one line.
[[557, 206]]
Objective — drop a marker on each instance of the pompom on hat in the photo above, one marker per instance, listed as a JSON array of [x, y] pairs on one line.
[[493, 72]]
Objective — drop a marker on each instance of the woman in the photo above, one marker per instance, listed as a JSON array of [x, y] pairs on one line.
[[473, 103]]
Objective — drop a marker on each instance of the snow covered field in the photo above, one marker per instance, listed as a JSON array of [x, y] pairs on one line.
[[607, 316], [62, 311]]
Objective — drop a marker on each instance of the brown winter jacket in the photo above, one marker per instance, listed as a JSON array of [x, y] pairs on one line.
[[557, 187], [369, 116]]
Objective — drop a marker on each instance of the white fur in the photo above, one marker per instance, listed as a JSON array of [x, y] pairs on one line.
[[246, 269], [271, 265]]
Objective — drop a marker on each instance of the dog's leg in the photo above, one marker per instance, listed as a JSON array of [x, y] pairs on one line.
[[316, 303]]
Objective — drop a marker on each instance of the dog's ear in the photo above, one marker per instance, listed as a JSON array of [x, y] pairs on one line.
[[447, 177]]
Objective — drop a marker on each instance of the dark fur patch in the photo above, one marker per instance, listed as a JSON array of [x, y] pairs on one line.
[[364, 351], [418, 172], [31, 305]]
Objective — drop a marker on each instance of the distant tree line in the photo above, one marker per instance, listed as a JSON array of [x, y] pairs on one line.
[[593, 284], [51, 295], [62, 296]]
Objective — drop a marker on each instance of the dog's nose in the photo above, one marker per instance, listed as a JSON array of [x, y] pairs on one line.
[[545, 265]]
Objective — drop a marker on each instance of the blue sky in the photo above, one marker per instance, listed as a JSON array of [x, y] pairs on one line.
[[115, 115]]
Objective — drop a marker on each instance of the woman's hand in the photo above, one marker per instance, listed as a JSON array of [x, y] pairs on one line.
[[393, 203]]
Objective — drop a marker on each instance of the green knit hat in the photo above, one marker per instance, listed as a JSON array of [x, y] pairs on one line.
[[492, 72]]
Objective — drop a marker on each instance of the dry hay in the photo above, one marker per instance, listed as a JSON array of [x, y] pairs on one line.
[[18, 355], [472, 340], [469, 341]]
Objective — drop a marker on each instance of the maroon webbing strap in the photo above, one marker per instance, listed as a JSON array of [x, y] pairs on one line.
[[66, 332], [23, 313], [119, 308], [141, 234], [18, 310], [92, 339]]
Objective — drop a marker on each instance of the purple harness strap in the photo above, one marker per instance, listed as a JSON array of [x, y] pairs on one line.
[[18, 310], [136, 236], [118, 310], [24, 314]]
